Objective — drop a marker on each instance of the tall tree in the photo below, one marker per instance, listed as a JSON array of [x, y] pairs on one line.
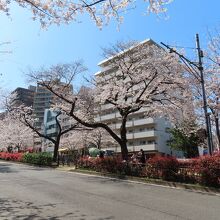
[[213, 79], [212, 84], [142, 76], [184, 138], [26, 116]]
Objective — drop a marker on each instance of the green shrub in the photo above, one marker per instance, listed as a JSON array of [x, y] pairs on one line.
[[43, 158]]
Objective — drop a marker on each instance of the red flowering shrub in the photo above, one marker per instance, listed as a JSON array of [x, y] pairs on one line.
[[100, 164], [207, 169], [204, 170], [85, 162], [162, 167], [110, 165], [11, 156], [186, 171]]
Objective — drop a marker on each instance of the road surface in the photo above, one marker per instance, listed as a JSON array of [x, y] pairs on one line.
[[31, 193]]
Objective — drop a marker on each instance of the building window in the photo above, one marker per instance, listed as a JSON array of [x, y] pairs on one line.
[[142, 142]]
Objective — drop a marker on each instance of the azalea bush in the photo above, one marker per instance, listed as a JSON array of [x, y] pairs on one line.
[[208, 170], [186, 172], [111, 165], [11, 156], [162, 168], [203, 170]]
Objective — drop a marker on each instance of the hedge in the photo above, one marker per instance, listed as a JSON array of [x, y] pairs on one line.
[[203, 170], [44, 158]]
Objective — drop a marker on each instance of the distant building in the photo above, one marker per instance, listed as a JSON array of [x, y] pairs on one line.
[[51, 128], [24, 96], [43, 100], [50, 125]]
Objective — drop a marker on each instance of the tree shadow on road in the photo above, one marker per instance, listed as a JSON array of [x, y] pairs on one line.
[[6, 168], [19, 210]]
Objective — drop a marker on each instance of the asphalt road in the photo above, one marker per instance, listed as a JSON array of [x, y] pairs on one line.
[[42, 193]]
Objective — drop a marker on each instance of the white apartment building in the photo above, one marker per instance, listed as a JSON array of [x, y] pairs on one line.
[[149, 134]]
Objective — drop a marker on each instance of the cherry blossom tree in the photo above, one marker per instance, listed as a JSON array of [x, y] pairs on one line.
[[85, 138], [213, 95], [212, 71], [99, 138], [101, 11], [14, 133], [139, 76], [211, 63], [73, 140], [26, 116]]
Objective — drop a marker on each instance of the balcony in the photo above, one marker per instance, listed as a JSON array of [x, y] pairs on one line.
[[144, 121], [143, 134], [107, 117], [146, 147], [139, 122]]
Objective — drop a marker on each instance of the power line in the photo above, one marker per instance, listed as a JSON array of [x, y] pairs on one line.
[[181, 47]]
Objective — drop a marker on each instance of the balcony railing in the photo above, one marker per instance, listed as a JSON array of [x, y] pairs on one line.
[[141, 134]]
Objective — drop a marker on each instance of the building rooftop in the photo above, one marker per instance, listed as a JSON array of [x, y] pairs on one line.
[[147, 41]]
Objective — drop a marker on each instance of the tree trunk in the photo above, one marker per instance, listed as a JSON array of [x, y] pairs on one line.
[[123, 143], [192, 152], [217, 129], [56, 148], [99, 141]]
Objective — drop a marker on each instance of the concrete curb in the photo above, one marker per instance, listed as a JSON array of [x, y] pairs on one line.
[[155, 182]]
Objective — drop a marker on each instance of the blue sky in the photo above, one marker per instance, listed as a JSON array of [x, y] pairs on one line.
[[33, 47]]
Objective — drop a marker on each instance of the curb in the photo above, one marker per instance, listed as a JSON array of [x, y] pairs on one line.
[[156, 182]]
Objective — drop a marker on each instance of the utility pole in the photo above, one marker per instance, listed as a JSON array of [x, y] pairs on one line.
[[207, 119], [199, 67]]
